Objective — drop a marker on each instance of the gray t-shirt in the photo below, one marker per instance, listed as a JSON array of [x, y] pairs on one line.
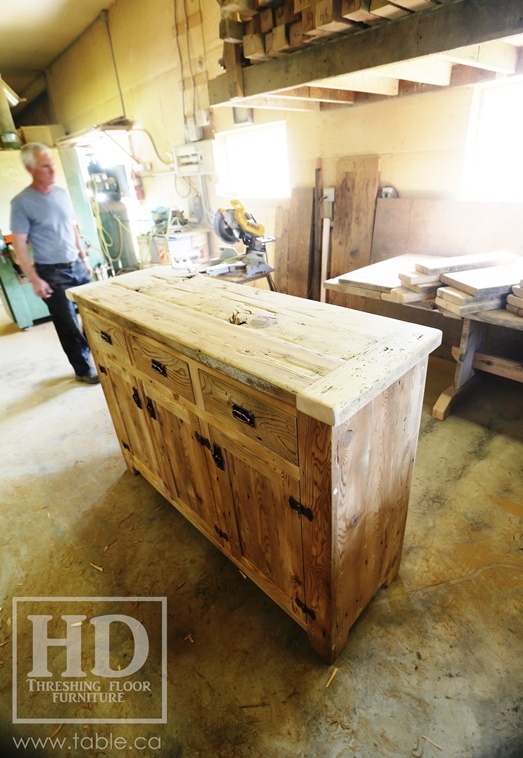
[[47, 219]]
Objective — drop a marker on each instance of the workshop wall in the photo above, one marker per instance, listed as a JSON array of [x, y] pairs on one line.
[[420, 140], [132, 63]]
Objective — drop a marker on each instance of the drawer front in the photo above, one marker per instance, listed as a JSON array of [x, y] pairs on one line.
[[163, 366], [105, 338], [247, 414]]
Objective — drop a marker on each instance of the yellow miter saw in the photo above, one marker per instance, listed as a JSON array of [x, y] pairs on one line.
[[233, 225]]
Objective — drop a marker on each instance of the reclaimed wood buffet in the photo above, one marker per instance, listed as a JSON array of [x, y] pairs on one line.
[[285, 430]]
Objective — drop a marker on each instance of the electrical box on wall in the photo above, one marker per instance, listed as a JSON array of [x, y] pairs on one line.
[[195, 158]]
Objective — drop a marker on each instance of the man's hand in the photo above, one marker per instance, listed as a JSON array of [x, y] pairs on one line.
[[41, 288], [87, 265]]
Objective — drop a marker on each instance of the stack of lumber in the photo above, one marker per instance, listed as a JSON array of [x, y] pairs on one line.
[[415, 286], [456, 285], [481, 289], [515, 299], [268, 28], [381, 281]]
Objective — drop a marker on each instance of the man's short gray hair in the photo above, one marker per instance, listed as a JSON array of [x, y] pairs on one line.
[[29, 152]]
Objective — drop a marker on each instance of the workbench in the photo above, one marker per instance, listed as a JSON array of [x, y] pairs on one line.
[[284, 429], [468, 355]]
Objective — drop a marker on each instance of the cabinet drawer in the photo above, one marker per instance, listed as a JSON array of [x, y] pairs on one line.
[[105, 337], [163, 366], [249, 415]]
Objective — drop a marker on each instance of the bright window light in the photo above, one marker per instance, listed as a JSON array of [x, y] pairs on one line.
[[494, 160], [253, 162]]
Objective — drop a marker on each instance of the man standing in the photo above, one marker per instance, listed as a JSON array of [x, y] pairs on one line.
[[42, 215]]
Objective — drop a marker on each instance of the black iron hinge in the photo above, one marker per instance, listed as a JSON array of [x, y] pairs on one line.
[[202, 440], [221, 534], [302, 509], [150, 408], [308, 611], [217, 454]]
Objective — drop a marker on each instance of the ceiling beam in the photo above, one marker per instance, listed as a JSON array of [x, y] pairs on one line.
[[446, 27]]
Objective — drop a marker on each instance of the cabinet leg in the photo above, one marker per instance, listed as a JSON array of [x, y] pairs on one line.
[[325, 646], [393, 573]]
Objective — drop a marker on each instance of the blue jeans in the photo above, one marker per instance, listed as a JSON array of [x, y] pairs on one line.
[[61, 276]]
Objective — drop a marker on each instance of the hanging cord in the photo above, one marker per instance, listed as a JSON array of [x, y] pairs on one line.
[[103, 235], [180, 60], [193, 83], [104, 14]]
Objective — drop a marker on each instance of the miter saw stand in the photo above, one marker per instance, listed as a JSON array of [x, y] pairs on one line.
[[231, 226]]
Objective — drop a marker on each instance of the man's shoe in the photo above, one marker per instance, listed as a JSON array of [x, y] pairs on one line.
[[90, 378]]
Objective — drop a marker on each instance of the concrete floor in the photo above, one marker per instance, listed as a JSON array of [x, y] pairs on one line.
[[433, 667]]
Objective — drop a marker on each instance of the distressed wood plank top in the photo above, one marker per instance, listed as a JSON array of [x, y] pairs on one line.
[[327, 360]]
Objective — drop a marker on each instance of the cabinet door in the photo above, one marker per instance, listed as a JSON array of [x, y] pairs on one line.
[[268, 528], [131, 404], [176, 432]]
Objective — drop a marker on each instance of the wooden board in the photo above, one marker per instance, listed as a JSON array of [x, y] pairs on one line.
[[300, 240], [386, 10], [465, 262], [415, 5], [414, 278], [471, 307], [493, 280], [513, 309], [455, 296], [357, 184], [516, 301], [404, 295], [428, 287], [445, 227], [281, 248], [382, 276], [315, 276]]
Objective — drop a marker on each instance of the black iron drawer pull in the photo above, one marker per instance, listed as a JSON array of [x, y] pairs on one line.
[[106, 337], [136, 398], [243, 415], [160, 368]]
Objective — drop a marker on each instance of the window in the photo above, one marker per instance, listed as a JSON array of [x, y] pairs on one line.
[[253, 162], [494, 160]]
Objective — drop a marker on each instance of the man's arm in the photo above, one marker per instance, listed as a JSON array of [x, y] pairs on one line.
[[22, 257], [81, 252]]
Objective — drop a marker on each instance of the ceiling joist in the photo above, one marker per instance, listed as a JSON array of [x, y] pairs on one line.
[[500, 57], [362, 81], [429, 70], [435, 29]]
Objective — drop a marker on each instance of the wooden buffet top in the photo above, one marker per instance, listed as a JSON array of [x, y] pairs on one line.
[[327, 360]]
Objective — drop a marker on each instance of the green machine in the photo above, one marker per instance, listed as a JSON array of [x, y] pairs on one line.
[[20, 302]]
